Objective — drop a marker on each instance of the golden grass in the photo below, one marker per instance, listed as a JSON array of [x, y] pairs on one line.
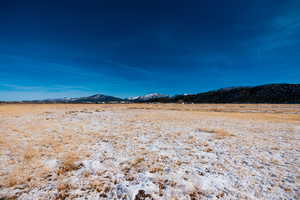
[[68, 162], [63, 190], [29, 144], [42, 139], [30, 153], [16, 176], [220, 133], [73, 108], [262, 112], [256, 112], [30, 174]]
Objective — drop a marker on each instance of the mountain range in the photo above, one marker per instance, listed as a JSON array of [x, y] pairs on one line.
[[148, 97], [271, 93]]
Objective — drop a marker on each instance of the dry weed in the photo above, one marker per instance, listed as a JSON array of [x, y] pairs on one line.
[[219, 133], [63, 190], [18, 175], [68, 162], [30, 153]]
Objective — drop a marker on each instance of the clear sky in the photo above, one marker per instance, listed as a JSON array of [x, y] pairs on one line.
[[74, 48]]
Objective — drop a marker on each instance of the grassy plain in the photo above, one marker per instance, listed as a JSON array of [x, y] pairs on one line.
[[149, 151]]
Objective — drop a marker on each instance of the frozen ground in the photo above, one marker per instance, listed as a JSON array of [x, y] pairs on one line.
[[149, 152]]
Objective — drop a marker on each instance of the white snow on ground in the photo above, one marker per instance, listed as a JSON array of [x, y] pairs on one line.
[[159, 154]]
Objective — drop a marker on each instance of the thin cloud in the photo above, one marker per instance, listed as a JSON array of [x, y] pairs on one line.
[[20, 87]]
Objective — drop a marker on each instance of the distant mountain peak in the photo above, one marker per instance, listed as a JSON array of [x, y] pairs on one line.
[[89, 99], [147, 97], [97, 96]]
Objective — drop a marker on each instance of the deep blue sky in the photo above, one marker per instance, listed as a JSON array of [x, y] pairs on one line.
[[126, 48]]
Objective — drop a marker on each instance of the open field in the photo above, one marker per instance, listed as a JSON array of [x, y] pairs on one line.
[[149, 151]]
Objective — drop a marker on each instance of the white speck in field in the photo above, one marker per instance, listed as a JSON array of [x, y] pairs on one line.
[[51, 164]]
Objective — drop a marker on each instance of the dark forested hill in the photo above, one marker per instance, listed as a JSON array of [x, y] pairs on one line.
[[272, 93]]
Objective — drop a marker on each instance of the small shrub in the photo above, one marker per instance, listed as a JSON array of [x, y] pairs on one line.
[[68, 163], [219, 133]]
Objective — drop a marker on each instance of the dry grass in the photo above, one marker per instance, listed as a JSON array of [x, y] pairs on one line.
[[68, 162], [29, 143], [15, 177], [63, 190], [31, 134], [257, 112], [29, 174], [30, 153], [220, 133], [262, 112], [74, 108], [101, 187], [247, 108]]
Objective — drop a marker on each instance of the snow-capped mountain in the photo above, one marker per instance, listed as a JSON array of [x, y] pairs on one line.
[[147, 97], [90, 99], [96, 98]]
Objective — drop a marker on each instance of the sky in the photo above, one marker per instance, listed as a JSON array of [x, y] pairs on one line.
[[54, 49]]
